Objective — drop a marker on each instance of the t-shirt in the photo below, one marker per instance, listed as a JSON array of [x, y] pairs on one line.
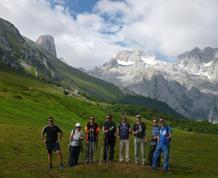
[[75, 141], [164, 133], [140, 128], [51, 133], [111, 127], [92, 135], [155, 133], [124, 131]]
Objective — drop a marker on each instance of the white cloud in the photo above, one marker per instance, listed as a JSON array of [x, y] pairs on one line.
[[167, 27], [78, 41]]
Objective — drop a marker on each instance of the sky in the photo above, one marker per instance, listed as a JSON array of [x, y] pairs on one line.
[[88, 33]]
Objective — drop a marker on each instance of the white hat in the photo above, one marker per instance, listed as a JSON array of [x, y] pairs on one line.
[[78, 124]]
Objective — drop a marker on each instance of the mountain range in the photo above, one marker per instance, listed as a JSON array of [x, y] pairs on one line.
[[38, 59], [189, 85]]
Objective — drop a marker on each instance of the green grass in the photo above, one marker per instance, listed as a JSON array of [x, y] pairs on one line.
[[26, 103]]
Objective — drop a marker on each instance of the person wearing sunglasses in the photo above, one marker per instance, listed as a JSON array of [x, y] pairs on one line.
[[51, 136], [164, 137]]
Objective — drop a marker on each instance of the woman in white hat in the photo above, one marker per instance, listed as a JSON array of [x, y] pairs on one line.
[[75, 142]]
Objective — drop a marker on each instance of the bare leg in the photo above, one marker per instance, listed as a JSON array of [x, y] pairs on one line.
[[59, 156], [50, 158]]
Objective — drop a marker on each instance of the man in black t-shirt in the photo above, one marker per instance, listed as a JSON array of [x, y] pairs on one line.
[[50, 137], [109, 130]]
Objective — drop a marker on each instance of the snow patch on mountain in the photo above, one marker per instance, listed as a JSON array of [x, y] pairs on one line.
[[124, 63]]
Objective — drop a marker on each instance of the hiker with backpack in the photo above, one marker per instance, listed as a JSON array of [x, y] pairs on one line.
[[154, 142], [51, 136], [124, 132], [109, 130], [75, 143], [139, 129], [164, 138], [91, 131]]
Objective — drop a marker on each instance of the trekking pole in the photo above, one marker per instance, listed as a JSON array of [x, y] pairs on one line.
[[93, 146], [101, 151], [106, 147], [100, 156]]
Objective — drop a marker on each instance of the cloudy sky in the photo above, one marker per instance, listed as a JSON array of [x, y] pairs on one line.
[[89, 32]]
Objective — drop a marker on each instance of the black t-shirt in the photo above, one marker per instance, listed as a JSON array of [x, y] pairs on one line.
[[51, 133], [111, 127]]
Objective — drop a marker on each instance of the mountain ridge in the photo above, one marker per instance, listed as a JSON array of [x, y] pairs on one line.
[[193, 76], [25, 55]]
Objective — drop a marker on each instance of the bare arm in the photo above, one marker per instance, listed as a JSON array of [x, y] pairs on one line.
[[169, 135], [158, 139], [43, 135]]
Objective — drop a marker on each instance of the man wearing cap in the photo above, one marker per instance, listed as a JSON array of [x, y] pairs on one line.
[[124, 131], [51, 135], [153, 143], [75, 142], [92, 131], [163, 145], [139, 140], [109, 130]]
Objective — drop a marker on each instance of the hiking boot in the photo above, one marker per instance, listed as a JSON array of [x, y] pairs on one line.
[[62, 166], [50, 166]]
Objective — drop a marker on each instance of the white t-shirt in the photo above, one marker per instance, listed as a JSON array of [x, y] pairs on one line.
[[75, 141]]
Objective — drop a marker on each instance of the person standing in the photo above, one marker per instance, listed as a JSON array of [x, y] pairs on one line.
[[50, 137], [124, 131], [109, 130], [139, 140], [154, 142], [164, 138], [92, 131], [75, 143]]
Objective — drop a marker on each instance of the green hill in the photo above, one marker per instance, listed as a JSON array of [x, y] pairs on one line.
[[25, 104]]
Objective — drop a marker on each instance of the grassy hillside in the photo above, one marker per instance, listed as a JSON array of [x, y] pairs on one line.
[[26, 103]]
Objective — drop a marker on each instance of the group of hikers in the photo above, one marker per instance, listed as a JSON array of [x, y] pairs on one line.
[[159, 143]]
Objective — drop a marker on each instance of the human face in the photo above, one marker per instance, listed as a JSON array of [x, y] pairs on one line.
[[108, 118], [123, 119], [161, 122], [155, 123], [91, 120], [78, 128], [138, 120], [50, 122]]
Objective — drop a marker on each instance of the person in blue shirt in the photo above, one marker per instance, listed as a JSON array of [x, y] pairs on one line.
[[153, 143], [124, 131], [163, 145]]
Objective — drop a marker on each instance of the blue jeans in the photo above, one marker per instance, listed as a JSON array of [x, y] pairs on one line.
[[161, 148]]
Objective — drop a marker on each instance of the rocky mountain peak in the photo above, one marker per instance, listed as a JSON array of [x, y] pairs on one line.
[[200, 55], [130, 55], [47, 42], [8, 33]]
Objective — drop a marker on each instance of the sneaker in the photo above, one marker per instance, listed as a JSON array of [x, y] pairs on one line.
[[62, 166], [50, 166]]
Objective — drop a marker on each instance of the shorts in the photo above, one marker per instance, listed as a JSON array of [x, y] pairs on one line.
[[53, 147]]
